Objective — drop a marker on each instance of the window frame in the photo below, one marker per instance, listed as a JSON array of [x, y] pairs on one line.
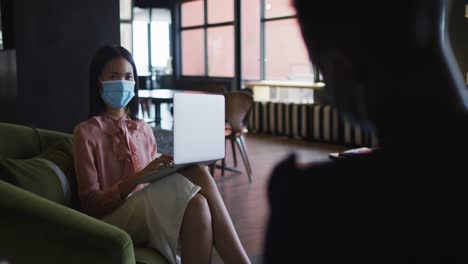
[[238, 78], [205, 26], [149, 44]]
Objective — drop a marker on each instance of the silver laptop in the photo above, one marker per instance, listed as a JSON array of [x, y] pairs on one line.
[[198, 132]]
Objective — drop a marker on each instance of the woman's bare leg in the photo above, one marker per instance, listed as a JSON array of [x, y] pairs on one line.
[[225, 237], [196, 233]]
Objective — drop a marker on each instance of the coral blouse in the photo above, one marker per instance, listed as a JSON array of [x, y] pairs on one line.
[[108, 150]]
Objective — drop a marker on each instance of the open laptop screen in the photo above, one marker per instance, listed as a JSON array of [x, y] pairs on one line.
[[198, 127]]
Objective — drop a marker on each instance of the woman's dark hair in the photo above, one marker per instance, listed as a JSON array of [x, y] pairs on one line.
[[102, 57]]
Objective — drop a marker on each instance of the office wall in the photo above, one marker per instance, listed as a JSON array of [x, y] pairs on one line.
[[55, 41]]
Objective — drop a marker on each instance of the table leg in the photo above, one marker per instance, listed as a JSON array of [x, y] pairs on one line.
[[157, 114]]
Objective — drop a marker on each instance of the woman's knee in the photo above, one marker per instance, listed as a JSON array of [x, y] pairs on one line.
[[199, 209], [198, 173], [194, 170]]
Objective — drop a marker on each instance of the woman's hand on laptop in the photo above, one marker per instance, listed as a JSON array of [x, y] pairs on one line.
[[157, 164], [126, 186], [161, 162]]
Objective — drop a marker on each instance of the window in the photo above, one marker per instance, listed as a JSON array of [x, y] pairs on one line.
[[283, 52], [160, 39], [271, 45], [126, 36], [193, 49], [151, 40], [221, 51], [140, 40], [293, 63], [278, 8], [251, 39], [126, 17], [193, 13], [220, 11], [207, 38]]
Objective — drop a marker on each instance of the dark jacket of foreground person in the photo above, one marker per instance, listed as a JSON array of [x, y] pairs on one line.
[[389, 66]]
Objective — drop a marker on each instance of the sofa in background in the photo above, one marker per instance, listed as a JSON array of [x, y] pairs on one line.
[[38, 230]]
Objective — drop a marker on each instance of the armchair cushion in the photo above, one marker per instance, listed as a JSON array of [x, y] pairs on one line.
[[50, 174]]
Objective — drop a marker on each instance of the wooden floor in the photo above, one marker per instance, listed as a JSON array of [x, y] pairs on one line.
[[246, 202]]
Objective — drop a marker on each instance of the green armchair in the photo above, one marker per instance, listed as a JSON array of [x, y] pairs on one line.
[[36, 230]]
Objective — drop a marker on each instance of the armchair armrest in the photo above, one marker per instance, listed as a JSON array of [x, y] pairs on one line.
[[36, 230]]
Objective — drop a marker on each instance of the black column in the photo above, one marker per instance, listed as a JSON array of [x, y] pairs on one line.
[[55, 41]]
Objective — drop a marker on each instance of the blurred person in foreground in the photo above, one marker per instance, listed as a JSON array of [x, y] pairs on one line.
[[390, 67]]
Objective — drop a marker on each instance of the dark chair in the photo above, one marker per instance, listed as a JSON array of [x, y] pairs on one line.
[[238, 107]]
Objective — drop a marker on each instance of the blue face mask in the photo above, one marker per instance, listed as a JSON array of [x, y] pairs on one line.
[[118, 93]]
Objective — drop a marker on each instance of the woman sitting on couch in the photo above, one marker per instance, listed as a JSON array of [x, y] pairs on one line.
[[113, 149]]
